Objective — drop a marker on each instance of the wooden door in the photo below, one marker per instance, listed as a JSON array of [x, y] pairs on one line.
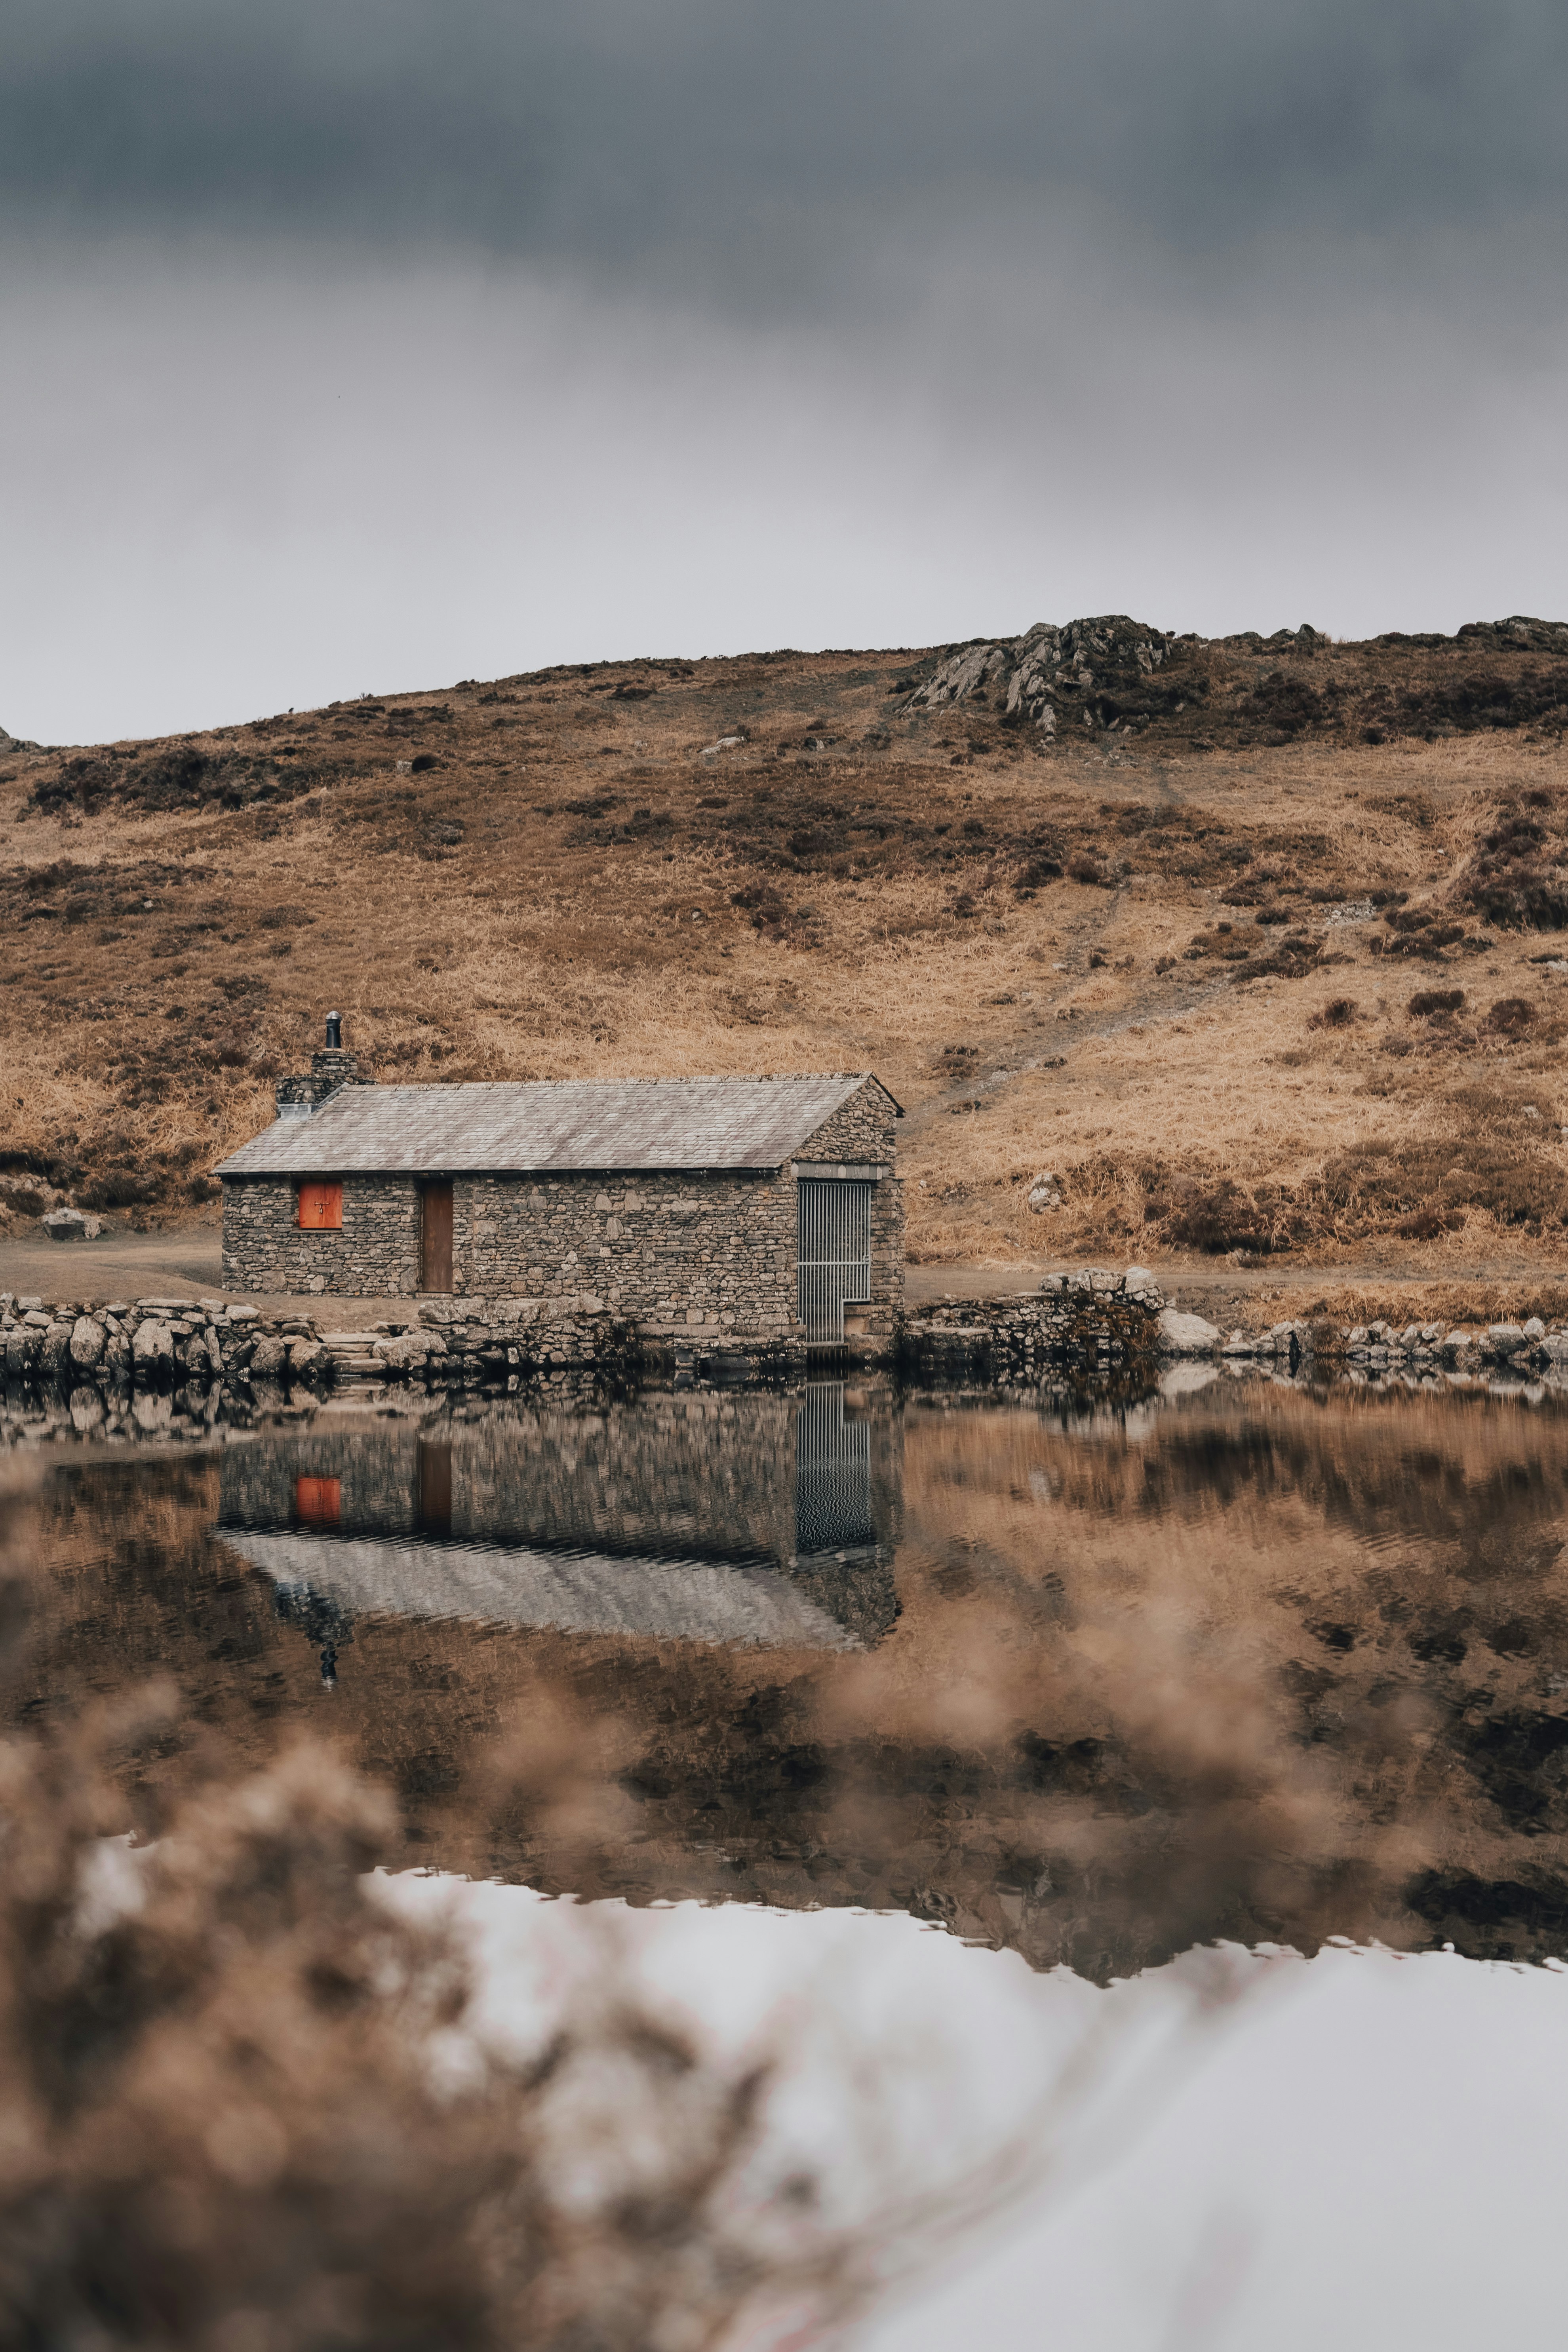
[[435, 1487], [435, 1238]]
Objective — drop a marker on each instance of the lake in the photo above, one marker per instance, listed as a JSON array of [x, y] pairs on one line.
[[1096, 1684]]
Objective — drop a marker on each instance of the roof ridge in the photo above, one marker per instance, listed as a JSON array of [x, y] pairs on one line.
[[698, 1078]]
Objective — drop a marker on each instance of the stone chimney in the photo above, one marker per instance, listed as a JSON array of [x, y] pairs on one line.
[[330, 1069]]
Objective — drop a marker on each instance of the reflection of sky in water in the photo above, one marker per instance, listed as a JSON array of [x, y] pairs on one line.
[[1364, 2149]]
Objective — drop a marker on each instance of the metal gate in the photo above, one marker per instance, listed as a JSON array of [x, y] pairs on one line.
[[833, 1253], [832, 1476]]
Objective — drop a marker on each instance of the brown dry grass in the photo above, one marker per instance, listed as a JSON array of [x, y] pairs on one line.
[[577, 888]]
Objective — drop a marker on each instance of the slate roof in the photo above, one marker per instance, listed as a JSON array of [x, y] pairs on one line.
[[580, 1591], [565, 1125]]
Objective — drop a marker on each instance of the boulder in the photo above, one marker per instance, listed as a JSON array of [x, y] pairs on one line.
[[306, 1357], [70, 1225], [153, 1343], [268, 1361], [1046, 1192], [87, 1341], [1186, 1335], [86, 1409], [409, 1348]]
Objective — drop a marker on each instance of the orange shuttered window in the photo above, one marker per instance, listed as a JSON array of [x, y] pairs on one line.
[[319, 1501], [320, 1208]]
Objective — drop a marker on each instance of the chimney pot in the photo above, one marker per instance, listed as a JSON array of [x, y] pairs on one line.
[[334, 1029]]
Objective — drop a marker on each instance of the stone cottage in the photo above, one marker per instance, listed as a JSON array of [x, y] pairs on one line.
[[759, 1209]]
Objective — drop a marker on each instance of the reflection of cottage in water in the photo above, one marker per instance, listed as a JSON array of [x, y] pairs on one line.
[[764, 1519]]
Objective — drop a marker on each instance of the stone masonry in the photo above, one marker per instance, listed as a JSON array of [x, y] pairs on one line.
[[1096, 1321], [673, 1253], [375, 1255]]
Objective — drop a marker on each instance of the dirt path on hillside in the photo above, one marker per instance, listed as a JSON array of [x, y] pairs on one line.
[[1154, 1003]]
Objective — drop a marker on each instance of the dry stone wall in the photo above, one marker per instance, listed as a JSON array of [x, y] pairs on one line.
[[1096, 1321], [151, 1367], [860, 1133], [177, 1366]]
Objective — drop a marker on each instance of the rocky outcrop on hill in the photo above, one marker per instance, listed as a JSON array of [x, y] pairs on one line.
[[1098, 672], [1111, 674]]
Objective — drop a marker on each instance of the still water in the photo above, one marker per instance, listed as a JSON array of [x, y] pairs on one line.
[[1095, 1684], [1091, 1686]]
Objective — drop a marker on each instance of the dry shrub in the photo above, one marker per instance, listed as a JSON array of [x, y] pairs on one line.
[[1107, 1197], [1428, 1224], [1517, 874], [1510, 1017], [1217, 1215], [1445, 1302], [1111, 1199], [228, 2129], [1338, 1014], [1427, 1002], [1377, 1186]]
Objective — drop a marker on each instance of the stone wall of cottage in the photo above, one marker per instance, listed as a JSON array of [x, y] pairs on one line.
[[670, 1252], [375, 1254], [675, 1253], [887, 1259]]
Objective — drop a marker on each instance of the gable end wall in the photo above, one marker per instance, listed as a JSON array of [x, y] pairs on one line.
[[860, 1131]]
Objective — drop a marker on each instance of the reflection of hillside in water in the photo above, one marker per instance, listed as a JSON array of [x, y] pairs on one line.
[[1256, 1664], [751, 1519]]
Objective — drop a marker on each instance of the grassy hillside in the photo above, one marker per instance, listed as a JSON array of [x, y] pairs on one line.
[[1255, 950]]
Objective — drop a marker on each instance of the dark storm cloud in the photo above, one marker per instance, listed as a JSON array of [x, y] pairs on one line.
[[368, 340], [712, 138]]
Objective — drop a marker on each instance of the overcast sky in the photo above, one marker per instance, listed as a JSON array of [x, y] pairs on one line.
[[375, 344]]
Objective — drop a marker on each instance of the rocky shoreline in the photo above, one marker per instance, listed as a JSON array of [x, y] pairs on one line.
[[179, 1365]]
